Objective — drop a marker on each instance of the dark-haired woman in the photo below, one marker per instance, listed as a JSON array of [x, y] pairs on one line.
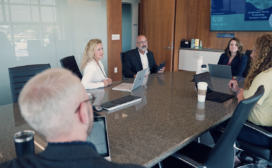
[[234, 57]]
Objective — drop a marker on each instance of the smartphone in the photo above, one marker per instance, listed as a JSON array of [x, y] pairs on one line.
[[161, 66]]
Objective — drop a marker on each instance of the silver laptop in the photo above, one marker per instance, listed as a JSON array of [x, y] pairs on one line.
[[99, 137], [220, 71], [139, 79]]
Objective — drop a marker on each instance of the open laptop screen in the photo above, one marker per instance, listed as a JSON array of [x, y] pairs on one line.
[[99, 136], [220, 71]]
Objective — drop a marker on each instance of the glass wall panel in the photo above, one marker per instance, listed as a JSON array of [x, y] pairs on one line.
[[47, 2], [23, 36], [34, 1], [7, 59], [5, 32], [35, 14], [20, 13], [7, 16], [20, 1], [45, 31], [1, 14], [48, 14]]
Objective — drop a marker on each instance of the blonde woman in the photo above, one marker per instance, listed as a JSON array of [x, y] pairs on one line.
[[94, 75]]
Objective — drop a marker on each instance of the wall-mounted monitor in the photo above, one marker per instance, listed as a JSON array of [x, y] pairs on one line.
[[241, 15]]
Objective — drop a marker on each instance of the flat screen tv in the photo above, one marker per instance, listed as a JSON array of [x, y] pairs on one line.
[[241, 15]]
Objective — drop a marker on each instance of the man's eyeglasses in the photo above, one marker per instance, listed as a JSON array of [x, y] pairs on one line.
[[142, 42], [80, 104]]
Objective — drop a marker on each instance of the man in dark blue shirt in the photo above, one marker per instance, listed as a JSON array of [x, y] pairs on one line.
[[56, 104]]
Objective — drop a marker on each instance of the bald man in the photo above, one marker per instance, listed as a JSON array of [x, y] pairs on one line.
[[138, 59], [56, 104]]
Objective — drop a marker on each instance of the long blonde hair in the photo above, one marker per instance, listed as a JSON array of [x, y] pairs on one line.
[[263, 59], [88, 54]]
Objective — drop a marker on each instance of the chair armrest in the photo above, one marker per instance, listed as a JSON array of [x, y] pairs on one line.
[[187, 160], [259, 129]]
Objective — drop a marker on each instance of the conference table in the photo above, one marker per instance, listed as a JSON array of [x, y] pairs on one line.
[[145, 133]]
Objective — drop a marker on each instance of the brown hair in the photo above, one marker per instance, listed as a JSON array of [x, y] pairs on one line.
[[262, 60], [240, 47], [88, 54]]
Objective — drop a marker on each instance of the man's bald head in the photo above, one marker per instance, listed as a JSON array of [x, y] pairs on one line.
[[140, 38], [141, 43], [49, 100]]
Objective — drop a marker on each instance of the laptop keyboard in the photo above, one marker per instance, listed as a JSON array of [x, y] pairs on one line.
[[123, 101]]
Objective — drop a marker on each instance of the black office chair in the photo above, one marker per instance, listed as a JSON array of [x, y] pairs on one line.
[[18, 77], [246, 71], [256, 152], [223, 153], [71, 64], [122, 55]]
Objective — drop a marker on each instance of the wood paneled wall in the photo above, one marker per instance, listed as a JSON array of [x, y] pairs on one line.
[[193, 21], [114, 22], [142, 20]]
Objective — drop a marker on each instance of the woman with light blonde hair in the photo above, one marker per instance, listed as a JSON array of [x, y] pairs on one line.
[[94, 75]]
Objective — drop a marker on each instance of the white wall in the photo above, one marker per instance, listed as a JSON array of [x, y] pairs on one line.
[[134, 35]]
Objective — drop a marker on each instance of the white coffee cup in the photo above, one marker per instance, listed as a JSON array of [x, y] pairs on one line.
[[202, 89]]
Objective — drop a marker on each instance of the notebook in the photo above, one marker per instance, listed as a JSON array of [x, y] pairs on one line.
[[211, 95], [220, 71], [99, 137], [139, 79]]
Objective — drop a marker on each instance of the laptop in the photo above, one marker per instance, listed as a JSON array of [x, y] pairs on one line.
[[99, 137], [139, 79], [220, 71], [211, 95]]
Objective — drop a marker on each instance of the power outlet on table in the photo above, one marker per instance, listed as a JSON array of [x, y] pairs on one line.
[[115, 70]]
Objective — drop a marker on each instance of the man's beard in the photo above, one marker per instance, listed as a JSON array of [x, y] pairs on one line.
[[143, 48]]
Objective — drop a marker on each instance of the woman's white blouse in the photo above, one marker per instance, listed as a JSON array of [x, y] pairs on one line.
[[93, 77]]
